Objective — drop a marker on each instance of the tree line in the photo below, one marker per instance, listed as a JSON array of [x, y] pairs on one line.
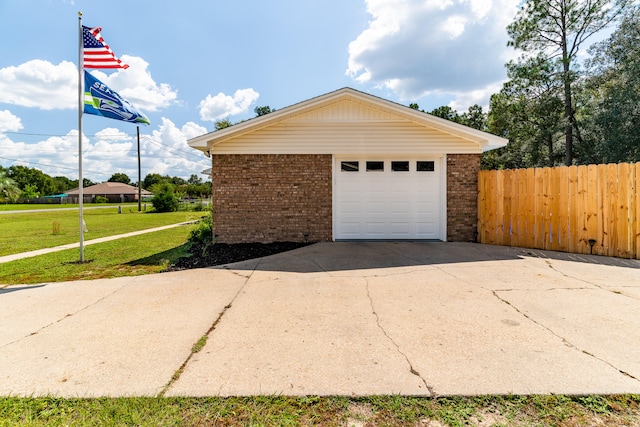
[[564, 102], [557, 107], [21, 182]]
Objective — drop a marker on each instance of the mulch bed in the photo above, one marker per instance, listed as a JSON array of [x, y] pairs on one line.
[[222, 253]]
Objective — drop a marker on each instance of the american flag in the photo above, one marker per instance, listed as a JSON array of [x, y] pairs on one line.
[[97, 53]]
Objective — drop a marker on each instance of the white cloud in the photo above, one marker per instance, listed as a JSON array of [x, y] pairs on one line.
[[9, 122], [179, 159], [418, 48], [213, 108], [56, 155], [110, 150], [40, 84], [136, 85]]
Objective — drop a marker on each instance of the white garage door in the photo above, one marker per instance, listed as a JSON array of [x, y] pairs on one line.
[[395, 198]]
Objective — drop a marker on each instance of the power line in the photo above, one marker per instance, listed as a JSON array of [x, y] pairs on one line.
[[46, 165], [103, 135], [167, 148], [61, 136]]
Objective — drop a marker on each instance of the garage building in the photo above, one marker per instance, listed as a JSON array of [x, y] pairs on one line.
[[345, 166]]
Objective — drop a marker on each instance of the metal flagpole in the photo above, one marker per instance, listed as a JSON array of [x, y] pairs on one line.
[[80, 109], [139, 174]]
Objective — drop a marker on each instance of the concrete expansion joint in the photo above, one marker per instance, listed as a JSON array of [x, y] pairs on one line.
[[554, 268], [564, 340], [529, 318], [526, 316], [402, 273], [196, 347], [66, 316], [321, 268], [429, 388]]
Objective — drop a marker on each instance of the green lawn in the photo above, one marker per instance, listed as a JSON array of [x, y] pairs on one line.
[[612, 411], [131, 256], [23, 232], [24, 207]]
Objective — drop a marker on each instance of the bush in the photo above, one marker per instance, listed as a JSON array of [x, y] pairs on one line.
[[202, 234], [101, 199], [165, 199]]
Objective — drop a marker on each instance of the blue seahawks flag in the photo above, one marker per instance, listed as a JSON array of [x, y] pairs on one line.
[[99, 100]]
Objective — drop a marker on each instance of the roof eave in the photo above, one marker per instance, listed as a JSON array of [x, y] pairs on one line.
[[486, 141]]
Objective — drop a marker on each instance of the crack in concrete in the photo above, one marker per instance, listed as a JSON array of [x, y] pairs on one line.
[[564, 340], [526, 316], [429, 388], [66, 316], [230, 270], [541, 290], [556, 269], [195, 348]]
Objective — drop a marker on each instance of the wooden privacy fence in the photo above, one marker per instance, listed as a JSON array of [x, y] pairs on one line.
[[563, 209]]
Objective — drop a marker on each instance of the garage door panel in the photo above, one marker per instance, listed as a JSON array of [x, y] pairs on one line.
[[426, 208], [349, 207], [401, 229], [392, 204]]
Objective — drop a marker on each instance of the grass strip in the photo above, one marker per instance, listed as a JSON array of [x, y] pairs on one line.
[[131, 256], [546, 410], [28, 207], [32, 231]]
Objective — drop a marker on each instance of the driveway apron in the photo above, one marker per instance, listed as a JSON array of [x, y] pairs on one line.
[[349, 318]]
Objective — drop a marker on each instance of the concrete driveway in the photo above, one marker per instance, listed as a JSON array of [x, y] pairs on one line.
[[335, 319]]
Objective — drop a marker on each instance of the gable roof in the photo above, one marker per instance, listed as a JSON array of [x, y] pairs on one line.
[[378, 109], [109, 188]]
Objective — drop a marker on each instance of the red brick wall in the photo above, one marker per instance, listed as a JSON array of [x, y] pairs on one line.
[[271, 197], [462, 197]]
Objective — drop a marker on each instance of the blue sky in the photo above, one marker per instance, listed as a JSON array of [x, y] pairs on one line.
[[198, 61]]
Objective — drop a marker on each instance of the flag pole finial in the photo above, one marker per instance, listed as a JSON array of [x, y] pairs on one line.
[[79, 14]]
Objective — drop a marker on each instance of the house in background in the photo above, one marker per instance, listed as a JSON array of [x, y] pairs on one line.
[[345, 166], [114, 192]]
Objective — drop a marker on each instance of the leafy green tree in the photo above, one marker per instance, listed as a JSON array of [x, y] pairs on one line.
[[198, 190], [222, 124], [9, 190], [613, 94], [475, 118], [62, 184], [261, 111], [29, 192], [165, 198], [23, 176], [176, 180], [446, 112], [554, 30], [527, 111], [194, 180], [120, 177], [152, 179]]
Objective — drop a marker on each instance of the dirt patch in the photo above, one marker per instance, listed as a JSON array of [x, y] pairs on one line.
[[359, 415]]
